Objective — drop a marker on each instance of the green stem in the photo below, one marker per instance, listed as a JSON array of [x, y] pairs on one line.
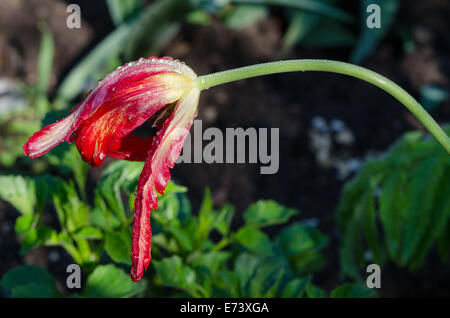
[[210, 80]]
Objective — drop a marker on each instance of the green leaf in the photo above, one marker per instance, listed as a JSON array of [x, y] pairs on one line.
[[329, 34], [421, 188], [244, 15], [267, 212], [118, 245], [211, 261], [267, 280], [102, 216], [71, 158], [245, 268], [84, 74], [23, 224], [109, 281], [90, 233], [254, 240], [391, 212], [432, 95], [120, 11], [19, 192], [184, 239], [206, 219], [45, 61], [227, 283], [29, 281], [318, 7], [352, 291], [369, 223], [199, 17], [158, 23], [301, 23], [173, 273], [296, 288], [313, 291], [223, 220], [443, 243], [32, 291], [119, 176], [38, 237], [72, 213], [439, 214], [302, 246], [298, 238]]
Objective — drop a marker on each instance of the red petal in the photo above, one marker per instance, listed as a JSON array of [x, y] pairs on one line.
[[131, 148], [124, 79], [165, 150]]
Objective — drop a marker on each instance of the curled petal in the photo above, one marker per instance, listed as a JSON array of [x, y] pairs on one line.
[[50, 136], [126, 85], [165, 150]]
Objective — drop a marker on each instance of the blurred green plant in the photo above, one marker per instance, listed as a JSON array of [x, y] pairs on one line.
[[17, 124], [194, 255], [397, 207]]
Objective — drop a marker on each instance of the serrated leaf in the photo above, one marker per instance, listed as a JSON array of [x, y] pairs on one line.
[[391, 202], [421, 188], [439, 213]]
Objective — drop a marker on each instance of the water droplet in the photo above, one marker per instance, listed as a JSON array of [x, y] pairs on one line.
[[101, 156]]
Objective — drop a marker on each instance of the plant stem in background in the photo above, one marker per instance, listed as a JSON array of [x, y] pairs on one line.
[[210, 80]]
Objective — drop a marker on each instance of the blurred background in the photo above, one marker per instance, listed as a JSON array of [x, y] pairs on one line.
[[328, 123]]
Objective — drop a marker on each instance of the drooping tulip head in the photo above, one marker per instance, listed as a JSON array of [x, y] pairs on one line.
[[160, 90]]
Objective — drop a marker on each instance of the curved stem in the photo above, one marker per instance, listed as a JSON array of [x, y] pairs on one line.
[[210, 80]]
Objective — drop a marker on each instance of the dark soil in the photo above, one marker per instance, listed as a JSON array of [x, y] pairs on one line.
[[288, 102]]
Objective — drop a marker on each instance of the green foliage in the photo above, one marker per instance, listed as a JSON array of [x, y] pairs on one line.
[[397, 207], [29, 282], [110, 281], [199, 255], [19, 192], [18, 123]]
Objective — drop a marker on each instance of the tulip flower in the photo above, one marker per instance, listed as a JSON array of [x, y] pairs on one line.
[[162, 91], [166, 92]]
